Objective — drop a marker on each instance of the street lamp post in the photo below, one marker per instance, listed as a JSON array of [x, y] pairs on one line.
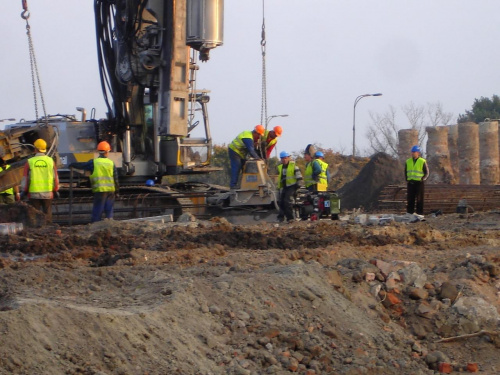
[[354, 120], [269, 118]]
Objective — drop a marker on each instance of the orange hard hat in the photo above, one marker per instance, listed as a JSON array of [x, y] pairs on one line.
[[260, 129], [278, 130], [103, 146]]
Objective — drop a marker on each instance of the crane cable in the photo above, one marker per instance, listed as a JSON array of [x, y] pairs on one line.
[[263, 111], [25, 15]]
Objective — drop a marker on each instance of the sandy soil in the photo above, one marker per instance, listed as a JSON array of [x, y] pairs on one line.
[[209, 297]]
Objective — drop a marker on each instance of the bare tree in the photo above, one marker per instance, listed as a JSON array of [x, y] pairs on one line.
[[383, 132]]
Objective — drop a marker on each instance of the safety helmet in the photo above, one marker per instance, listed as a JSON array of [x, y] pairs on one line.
[[40, 145], [284, 154], [278, 130], [260, 129], [103, 146], [150, 183], [415, 149], [319, 154]]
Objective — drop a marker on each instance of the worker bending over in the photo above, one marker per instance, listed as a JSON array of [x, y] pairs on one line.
[[40, 180], [289, 181], [267, 142], [416, 172], [240, 148], [104, 181]]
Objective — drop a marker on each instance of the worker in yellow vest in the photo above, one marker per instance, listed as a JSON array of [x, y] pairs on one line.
[[289, 180], [416, 172], [104, 181], [10, 195], [241, 147], [40, 180], [268, 141]]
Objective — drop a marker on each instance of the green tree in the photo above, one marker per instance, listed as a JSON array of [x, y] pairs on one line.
[[482, 109]]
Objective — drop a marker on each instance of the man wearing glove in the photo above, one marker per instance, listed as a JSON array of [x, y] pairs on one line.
[[40, 180], [289, 181], [104, 181]]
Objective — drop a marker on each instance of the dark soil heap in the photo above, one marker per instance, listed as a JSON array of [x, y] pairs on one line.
[[364, 190]]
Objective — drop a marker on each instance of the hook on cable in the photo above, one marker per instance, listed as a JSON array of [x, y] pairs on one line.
[[26, 13]]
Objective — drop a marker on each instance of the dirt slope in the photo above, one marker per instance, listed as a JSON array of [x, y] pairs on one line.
[[214, 298]]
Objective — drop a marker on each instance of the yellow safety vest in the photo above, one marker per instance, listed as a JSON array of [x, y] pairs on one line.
[[102, 178], [8, 191], [322, 182], [41, 174], [271, 142], [415, 169], [308, 176], [237, 144], [290, 175]]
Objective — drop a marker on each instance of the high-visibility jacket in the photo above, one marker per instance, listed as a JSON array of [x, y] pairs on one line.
[[8, 191], [41, 174], [102, 178], [308, 175], [415, 169], [290, 175], [322, 178], [238, 146], [271, 142]]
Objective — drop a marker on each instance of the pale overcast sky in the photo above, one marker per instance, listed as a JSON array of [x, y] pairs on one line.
[[321, 54]]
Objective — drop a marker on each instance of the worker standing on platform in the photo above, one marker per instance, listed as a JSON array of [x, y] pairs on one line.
[[240, 148], [104, 181], [40, 180], [268, 141], [10, 195], [416, 172], [289, 180]]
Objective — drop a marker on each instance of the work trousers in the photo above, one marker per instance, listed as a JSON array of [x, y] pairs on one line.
[[415, 192], [237, 164], [103, 202], [287, 196], [44, 205]]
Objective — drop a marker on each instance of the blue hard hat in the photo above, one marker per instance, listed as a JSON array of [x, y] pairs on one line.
[[319, 154], [415, 149], [150, 183], [284, 154]]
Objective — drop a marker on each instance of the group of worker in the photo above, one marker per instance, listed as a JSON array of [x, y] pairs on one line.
[[257, 144], [40, 182], [290, 179]]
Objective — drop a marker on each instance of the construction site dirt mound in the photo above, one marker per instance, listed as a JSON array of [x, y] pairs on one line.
[[364, 189], [210, 297]]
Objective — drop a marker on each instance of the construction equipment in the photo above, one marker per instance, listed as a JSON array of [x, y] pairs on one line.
[[316, 205], [157, 121]]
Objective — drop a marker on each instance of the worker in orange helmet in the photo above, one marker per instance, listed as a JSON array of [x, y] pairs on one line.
[[241, 147], [40, 181], [267, 142], [104, 181]]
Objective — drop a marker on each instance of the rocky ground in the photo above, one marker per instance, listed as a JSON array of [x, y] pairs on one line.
[[210, 297]]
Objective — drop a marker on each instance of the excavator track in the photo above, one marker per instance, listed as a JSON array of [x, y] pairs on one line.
[[75, 206]]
